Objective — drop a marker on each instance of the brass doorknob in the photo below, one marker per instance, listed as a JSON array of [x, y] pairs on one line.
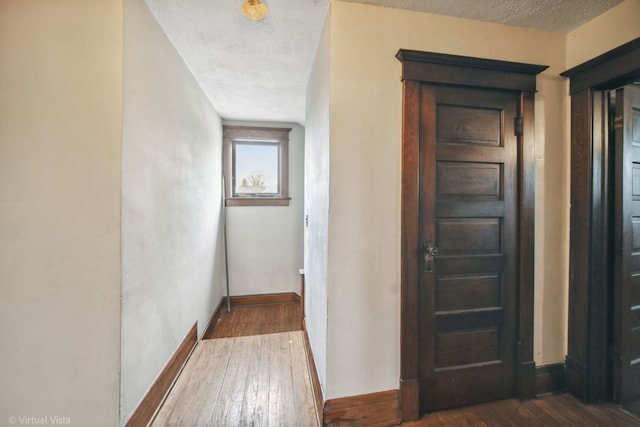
[[429, 251]]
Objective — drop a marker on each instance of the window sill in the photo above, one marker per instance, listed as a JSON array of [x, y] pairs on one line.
[[257, 201]]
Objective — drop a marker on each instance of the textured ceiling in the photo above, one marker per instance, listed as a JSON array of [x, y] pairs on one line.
[[550, 15], [259, 70], [250, 70]]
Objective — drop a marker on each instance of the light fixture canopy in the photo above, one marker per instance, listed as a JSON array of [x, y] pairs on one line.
[[254, 9]]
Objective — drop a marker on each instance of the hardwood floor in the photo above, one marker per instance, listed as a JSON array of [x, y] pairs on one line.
[[239, 377], [259, 380], [553, 411], [251, 370], [244, 320]]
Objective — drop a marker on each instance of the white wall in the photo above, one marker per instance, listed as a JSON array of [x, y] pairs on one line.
[[265, 243], [363, 346], [172, 257], [60, 127], [316, 184]]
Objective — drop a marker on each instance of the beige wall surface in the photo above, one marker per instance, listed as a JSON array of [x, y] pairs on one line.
[[60, 186], [60, 127], [266, 242], [172, 253], [363, 353], [609, 30]]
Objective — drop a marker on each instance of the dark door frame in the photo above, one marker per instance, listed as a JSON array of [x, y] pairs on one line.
[[586, 364], [433, 68]]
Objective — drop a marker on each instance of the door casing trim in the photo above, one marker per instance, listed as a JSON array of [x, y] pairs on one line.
[[586, 364], [434, 68]]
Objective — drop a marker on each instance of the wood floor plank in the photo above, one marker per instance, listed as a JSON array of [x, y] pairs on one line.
[[263, 380], [506, 413], [450, 418], [551, 411], [232, 394], [179, 409], [245, 320], [286, 370], [304, 404], [558, 410], [243, 381], [567, 410], [249, 404], [276, 411], [261, 414], [286, 346], [167, 411]]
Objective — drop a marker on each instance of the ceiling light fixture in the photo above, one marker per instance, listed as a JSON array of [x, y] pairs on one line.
[[254, 9]]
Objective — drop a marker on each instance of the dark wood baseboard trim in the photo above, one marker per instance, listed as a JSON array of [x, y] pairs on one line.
[[208, 332], [575, 372], [151, 402], [374, 410], [313, 373], [215, 317], [409, 399], [282, 298], [550, 379], [302, 298], [527, 380]]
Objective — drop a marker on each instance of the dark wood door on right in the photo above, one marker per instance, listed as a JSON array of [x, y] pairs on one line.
[[627, 249], [468, 229]]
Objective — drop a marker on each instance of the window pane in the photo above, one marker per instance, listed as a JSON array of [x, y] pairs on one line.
[[256, 167]]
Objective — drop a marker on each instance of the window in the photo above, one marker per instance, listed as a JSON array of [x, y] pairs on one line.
[[256, 166]]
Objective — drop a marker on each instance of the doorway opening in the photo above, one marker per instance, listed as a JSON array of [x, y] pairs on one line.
[[603, 360], [621, 213]]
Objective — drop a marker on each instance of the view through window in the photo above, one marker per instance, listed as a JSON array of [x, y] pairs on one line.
[[256, 166]]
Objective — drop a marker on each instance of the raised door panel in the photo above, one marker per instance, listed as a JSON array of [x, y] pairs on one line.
[[627, 272], [468, 195]]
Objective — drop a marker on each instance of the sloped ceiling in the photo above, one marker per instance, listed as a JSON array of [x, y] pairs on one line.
[[258, 71]]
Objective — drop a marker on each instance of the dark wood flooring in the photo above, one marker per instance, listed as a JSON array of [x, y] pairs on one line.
[[187, 400], [561, 410], [245, 320]]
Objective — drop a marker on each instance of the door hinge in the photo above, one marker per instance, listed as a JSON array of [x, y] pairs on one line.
[[519, 351], [518, 126], [617, 122]]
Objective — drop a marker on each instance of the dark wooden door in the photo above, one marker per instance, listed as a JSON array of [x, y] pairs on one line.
[[468, 211], [627, 251]]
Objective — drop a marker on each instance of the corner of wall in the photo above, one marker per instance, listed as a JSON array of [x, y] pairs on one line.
[[172, 252], [611, 29]]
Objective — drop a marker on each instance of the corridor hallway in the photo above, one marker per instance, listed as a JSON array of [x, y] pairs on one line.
[[250, 369]]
